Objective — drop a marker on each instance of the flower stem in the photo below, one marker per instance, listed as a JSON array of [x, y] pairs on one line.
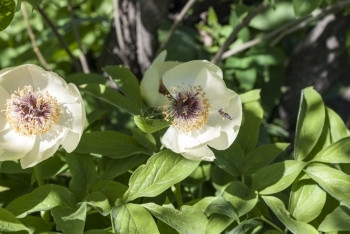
[[178, 195], [39, 179], [271, 224]]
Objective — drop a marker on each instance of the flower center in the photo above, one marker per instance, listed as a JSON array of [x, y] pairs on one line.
[[31, 112], [187, 109]]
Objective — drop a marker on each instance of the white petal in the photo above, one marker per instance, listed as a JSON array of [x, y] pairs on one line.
[[180, 142], [149, 85], [16, 77], [13, 145], [45, 146], [229, 128], [4, 95], [200, 153], [199, 73]]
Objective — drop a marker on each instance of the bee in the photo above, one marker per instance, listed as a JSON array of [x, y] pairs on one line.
[[224, 115]]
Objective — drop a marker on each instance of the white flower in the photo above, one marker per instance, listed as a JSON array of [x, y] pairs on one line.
[[202, 110], [150, 87], [39, 112]]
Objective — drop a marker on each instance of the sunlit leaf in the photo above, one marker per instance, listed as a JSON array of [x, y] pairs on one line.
[[336, 221], [69, 220], [334, 181], [276, 177], [303, 205], [337, 126], [132, 218], [187, 220], [9, 223], [283, 215], [310, 123], [161, 171], [338, 152], [303, 8]]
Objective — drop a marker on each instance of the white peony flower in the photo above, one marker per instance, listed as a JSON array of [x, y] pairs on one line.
[[202, 110], [39, 112]]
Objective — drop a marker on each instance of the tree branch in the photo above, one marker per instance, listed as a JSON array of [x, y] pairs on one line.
[[176, 23], [82, 58], [218, 56], [59, 37], [33, 39]]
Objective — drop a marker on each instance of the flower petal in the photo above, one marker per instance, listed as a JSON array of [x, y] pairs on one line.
[[16, 77], [181, 142], [44, 147], [200, 153], [13, 145], [4, 95]]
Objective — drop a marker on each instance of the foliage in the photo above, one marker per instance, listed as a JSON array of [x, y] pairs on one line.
[[121, 180]]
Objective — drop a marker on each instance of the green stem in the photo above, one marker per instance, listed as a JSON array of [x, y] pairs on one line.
[[271, 224], [178, 195], [39, 179]]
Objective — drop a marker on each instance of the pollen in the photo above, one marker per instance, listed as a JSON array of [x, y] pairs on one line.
[[187, 108], [31, 112]]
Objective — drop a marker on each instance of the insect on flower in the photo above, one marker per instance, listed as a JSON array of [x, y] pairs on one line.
[[224, 114]]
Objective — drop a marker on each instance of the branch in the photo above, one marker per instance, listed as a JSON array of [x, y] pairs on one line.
[[82, 58], [121, 53], [176, 23], [33, 40], [286, 29], [59, 37], [218, 56]]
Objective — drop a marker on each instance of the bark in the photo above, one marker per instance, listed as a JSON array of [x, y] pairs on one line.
[[320, 61], [139, 21]]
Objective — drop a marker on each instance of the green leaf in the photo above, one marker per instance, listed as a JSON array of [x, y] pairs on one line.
[[283, 215], [262, 156], [276, 177], [241, 197], [336, 221], [338, 152], [7, 11], [9, 223], [247, 226], [230, 160], [126, 81], [273, 17], [150, 125], [218, 223], [82, 78], [132, 218], [222, 207], [98, 201], [36, 224], [249, 131], [250, 96], [112, 97], [110, 143], [161, 171], [311, 118], [84, 175], [303, 8], [187, 220], [337, 127], [69, 220], [116, 167], [42, 198], [303, 205], [335, 182], [111, 189]]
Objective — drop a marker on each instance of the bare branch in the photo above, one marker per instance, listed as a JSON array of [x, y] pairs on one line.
[[59, 37], [118, 31], [176, 23], [218, 56], [33, 39], [82, 58]]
